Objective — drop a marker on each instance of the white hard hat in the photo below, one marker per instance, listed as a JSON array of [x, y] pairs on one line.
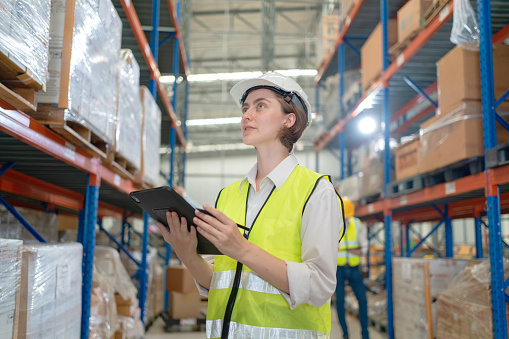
[[277, 82]]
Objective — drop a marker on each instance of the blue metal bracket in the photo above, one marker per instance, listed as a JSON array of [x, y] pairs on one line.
[[375, 235], [478, 238], [431, 247], [22, 220], [442, 213], [409, 254], [501, 121], [120, 246], [502, 99], [419, 90], [7, 166], [166, 38], [135, 275], [142, 295], [349, 44]]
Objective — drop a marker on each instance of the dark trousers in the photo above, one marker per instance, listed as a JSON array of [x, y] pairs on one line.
[[354, 277]]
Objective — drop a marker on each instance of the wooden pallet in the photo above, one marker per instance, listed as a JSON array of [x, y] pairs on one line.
[[498, 156], [407, 185], [122, 166], [400, 46], [18, 85], [371, 198], [434, 10], [455, 171], [74, 132]]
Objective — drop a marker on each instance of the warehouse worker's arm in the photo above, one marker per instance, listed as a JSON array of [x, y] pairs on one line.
[[184, 243]]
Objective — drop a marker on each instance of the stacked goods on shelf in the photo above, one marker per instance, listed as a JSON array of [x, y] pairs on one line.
[[24, 39], [335, 110], [185, 301], [350, 187], [456, 132], [80, 94], [124, 153], [10, 274], [371, 53], [50, 302], [151, 138], [103, 322], [416, 283], [345, 7], [46, 224], [330, 33], [410, 23], [464, 310], [407, 158]]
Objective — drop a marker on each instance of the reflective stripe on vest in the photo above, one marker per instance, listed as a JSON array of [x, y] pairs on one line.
[[351, 241], [277, 230], [245, 331]]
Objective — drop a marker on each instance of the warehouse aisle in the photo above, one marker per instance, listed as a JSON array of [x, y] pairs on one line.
[[156, 331]]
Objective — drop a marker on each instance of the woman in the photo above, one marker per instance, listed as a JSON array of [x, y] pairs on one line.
[[278, 228]]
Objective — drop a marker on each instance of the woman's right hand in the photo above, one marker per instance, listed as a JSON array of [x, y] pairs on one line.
[[182, 241]]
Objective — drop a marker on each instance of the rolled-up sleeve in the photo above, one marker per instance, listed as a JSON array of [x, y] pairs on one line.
[[314, 280]]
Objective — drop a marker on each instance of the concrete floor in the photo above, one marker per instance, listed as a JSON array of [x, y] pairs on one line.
[[156, 331]]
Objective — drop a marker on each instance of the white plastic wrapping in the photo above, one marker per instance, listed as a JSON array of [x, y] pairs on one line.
[[151, 137], [130, 328], [103, 308], [129, 111], [24, 35], [10, 274], [465, 30], [87, 87], [46, 224], [50, 303]]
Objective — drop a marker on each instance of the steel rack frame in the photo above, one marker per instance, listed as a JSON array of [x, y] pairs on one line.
[[466, 197]]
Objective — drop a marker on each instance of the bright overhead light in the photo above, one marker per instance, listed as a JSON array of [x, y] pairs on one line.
[[238, 75], [367, 125], [216, 121], [170, 79]]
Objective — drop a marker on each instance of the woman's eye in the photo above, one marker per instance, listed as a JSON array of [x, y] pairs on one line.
[[261, 105]]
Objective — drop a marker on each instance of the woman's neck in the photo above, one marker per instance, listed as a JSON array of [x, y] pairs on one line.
[[267, 160]]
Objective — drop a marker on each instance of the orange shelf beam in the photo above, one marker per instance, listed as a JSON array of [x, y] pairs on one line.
[[342, 33], [501, 35], [135, 24]]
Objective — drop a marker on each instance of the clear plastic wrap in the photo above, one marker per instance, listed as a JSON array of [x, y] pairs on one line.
[[130, 328], [464, 310], [108, 263], [351, 187], [129, 110], [89, 93], [465, 30], [103, 308], [24, 35], [151, 137], [416, 283], [50, 302], [10, 274], [46, 224]]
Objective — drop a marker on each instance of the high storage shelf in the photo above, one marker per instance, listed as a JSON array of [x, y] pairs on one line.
[[40, 169], [465, 197]]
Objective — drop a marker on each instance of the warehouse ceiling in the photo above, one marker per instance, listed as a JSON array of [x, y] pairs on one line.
[[223, 36]]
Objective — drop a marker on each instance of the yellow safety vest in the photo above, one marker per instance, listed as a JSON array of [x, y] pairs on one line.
[[242, 302], [351, 241]]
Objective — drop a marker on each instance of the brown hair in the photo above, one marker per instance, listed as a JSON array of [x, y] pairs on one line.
[[289, 136]]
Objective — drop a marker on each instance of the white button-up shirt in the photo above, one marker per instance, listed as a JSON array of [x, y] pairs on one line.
[[314, 280]]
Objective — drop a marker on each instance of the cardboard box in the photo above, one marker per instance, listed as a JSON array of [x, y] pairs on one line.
[[448, 139], [458, 74], [371, 53], [407, 159], [411, 18], [179, 279], [184, 305]]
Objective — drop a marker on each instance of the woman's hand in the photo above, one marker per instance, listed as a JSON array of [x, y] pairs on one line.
[[222, 232], [182, 241]]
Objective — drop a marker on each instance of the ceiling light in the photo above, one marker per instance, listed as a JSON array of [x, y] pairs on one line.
[[170, 79], [367, 125], [216, 121]]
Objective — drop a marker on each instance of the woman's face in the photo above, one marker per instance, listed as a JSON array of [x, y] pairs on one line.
[[262, 118]]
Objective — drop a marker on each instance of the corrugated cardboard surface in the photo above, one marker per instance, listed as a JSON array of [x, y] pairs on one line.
[[411, 17], [179, 279], [184, 305], [407, 158]]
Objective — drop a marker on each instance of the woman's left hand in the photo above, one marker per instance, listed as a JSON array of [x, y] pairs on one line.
[[222, 231]]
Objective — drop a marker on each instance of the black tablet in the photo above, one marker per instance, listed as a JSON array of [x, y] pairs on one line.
[[157, 201]]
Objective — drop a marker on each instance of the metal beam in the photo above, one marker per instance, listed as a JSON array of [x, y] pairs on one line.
[[268, 29]]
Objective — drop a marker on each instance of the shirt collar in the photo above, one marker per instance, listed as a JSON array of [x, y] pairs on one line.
[[278, 175]]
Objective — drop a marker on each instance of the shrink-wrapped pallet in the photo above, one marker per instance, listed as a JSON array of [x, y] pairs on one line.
[[83, 70], [46, 224], [129, 111], [51, 282], [103, 308], [24, 39], [151, 138], [10, 274]]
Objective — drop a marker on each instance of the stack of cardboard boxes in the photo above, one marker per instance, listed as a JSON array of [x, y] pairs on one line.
[[185, 301]]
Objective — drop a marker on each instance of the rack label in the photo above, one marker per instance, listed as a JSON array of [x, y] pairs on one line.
[[147, 49], [444, 13], [450, 187], [127, 3], [403, 200], [348, 20], [116, 180], [70, 151], [370, 208], [401, 59]]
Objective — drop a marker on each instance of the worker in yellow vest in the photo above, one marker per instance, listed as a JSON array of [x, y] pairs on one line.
[[351, 249], [278, 228]]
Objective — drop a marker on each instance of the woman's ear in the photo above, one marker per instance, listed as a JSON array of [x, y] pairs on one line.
[[290, 119]]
